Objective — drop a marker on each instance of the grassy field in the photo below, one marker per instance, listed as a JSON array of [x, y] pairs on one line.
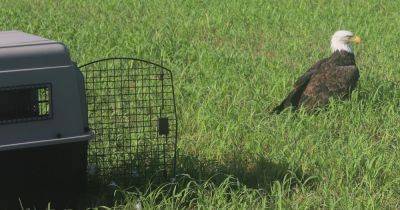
[[232, 62]]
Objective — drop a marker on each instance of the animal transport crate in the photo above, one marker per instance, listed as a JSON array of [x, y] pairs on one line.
[[62, 125], [43, 123]]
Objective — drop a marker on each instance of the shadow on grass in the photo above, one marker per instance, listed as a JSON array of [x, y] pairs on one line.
[[106, 191], [259, 174]]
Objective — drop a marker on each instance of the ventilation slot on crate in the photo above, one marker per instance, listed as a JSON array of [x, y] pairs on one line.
[[25, 103]]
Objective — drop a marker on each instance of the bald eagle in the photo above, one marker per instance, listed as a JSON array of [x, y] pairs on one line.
[[335, 76]]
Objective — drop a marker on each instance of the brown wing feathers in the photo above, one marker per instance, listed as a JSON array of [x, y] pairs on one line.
[[300, 85], [334, 76]]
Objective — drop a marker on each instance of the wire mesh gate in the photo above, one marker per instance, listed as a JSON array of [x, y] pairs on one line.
[[132, 112]]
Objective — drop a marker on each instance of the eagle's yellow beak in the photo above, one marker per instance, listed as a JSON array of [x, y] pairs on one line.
[[356, 39]]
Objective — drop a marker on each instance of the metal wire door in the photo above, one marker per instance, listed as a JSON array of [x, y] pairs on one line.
[[131, 108]]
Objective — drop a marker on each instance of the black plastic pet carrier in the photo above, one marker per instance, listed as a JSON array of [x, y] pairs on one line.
[[116, 122], [44, 129]]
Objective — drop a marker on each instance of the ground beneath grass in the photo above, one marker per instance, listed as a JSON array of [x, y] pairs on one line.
[[232, 62]]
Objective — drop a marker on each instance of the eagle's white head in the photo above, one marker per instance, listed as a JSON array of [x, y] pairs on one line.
[[342, 40]]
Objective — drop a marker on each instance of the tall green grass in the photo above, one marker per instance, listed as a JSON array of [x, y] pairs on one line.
[[232, 62]]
